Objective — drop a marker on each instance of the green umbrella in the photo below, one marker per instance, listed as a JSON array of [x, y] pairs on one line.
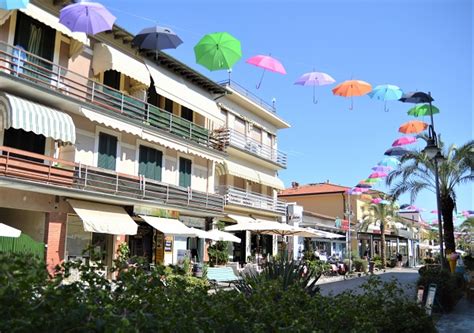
[[422, 110], [217, 51], [371, 180]]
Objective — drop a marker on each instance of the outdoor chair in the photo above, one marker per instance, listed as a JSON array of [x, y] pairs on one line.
[[219, 275]]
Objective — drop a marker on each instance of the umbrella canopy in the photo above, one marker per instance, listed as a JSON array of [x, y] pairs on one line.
[[219, 235], [363, 184], [396, 151], [413, 127], [269, 228], [315, 79], [324, 234], [405, 140], [218, 51], [416, 97], [386, 92], [378, 174], [376, 200], [389, 162], [7, 231], [372, 180], [381, 168], [157, 38], [268, 64], [422, 110], [352, 88], [88, 17], [13, 4]]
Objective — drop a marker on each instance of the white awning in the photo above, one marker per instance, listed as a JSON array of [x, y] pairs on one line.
[[111, 122], [105, 219], [271, 181], [242, 171], [167, 226], [241, 218], [7, 231], [218, 235], [23, 114], [183, 92], [325, 234], [107, 57], [53, 21]]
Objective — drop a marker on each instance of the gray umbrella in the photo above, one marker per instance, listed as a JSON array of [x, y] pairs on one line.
[[157, 38], [416, 97], [396, 151]]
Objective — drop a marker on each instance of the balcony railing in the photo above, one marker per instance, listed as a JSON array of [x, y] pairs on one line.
[[235, 196], [233, 138], [45, 74], [40, 169], [245, 92]]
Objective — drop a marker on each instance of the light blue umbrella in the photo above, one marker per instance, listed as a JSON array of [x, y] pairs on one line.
[[13, 4], [386, 92], [390, 162]]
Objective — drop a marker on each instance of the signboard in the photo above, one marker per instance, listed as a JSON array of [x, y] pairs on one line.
[[159, 248], [338, 222], [345, 225], [419, 295], [158, 212], [430, 299], [295, 213], [168, 244]]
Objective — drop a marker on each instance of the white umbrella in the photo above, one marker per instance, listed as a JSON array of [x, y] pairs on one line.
[[200, 233], [222, 236], [269, 228], [7, 231], [326, 234]]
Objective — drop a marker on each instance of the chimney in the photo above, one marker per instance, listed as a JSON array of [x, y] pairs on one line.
[[327, 181], [294, 185]]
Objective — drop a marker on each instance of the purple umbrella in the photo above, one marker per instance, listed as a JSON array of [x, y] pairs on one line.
[[381, 168], [314, 79], [88, 17], [396, 151]]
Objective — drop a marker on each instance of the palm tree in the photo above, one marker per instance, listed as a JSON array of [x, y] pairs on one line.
[[383, 214], [416, 173], [431, 236]]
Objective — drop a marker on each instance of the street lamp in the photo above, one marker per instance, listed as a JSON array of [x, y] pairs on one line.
[[433, 153]]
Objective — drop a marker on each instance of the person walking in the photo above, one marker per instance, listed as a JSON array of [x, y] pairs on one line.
[[399, 260]]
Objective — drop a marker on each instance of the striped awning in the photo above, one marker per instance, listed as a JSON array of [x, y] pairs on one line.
[[20, 113]]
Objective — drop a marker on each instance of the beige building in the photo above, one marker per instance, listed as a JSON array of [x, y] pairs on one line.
[[103, 144]]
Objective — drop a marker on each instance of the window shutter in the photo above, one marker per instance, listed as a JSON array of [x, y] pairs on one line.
[[107, 151], [184, 172], [150, 163]]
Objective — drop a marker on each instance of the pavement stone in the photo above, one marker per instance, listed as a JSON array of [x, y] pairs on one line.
[[460, 320]]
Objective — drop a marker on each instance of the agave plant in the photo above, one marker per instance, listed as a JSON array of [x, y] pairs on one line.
[[283, 272]]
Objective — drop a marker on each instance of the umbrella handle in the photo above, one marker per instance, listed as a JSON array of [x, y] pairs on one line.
[[315, 101], [261, 79], [352, 104], [385, 107]]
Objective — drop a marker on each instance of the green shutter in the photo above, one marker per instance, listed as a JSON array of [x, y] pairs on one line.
[[107, 151], [184, 172], [150, 162]]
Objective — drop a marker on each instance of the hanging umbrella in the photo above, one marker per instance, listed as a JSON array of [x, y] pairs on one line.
[[366, 197], [363, 184], [376, 200], [268, 64], [396, 151], [218, 51], [384, 202], [413, 127], [405, 140], [378, 174], [422, 110], [156, 38], [88, 17], [416, 97], [389, 161], [386, 92], [354, 192], [434, 212], [13, 4], [381, 168], [372, 180], [315, 79], [352, 88]]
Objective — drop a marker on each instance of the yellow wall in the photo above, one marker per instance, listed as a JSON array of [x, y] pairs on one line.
[[326, 204]]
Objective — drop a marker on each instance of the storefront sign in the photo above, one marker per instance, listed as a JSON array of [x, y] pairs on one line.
[[430, 299], [345, 225], [158, 212], [295, 214], [168, 244]]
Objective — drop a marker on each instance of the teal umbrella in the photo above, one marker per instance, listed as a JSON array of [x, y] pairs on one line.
[[13, 4], [218, 51]]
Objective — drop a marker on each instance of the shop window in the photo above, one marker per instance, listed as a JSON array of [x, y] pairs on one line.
[[185, 167], [107, 151], [150, 163], [28, 141], [77, 240]]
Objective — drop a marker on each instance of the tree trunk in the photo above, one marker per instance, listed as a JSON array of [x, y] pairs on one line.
[[382, 245], [447, 209]]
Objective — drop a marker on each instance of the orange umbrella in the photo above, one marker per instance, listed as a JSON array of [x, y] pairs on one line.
[[413, 127], [352, 88]]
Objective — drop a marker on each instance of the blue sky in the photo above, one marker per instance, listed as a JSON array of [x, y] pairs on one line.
[[415, 44]]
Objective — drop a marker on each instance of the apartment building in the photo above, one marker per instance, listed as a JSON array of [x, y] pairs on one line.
[[102, 143]]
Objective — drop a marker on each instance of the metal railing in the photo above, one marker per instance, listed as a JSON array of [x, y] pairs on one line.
[[235, 196], [42, 169], [245, 92], [17, 62], [233, 138]]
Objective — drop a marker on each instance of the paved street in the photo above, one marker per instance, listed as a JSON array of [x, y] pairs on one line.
[[461, 320], [407, 277]]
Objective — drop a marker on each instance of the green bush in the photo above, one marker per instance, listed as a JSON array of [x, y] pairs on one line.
[[319, 266], [469, 262], [449, 286], [218, 253], [360, 265], [428, 260]]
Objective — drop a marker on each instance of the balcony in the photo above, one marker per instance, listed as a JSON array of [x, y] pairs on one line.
[[45, 74], [235, 196], [251, 96], [230, 137], [83, 179]]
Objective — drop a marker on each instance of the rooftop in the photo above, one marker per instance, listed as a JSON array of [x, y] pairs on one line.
[[314, 188]]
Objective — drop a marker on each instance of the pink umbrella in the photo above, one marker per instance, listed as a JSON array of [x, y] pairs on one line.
[[268, 64], [434, 212], [378, 174], [404, 140], [376, 200]]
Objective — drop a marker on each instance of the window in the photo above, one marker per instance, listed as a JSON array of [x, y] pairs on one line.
[[168, 105], [186, 113], [184, 172], [107, 151], [239, 125], [28, 141], [34, 37], [150, 162], [112, 79]]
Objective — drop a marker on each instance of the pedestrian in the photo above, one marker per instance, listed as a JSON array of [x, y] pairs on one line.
[[399, 259]]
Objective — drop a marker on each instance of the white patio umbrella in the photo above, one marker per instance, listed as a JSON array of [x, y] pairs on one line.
[[219, 235], [7, 231], [326, 234]]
